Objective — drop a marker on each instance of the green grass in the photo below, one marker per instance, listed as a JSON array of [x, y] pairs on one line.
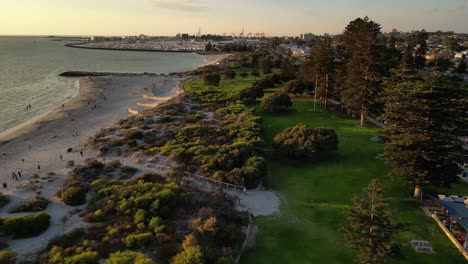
[[234, 85], [315, 194]]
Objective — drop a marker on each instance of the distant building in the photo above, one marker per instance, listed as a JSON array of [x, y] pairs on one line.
[[307, 37], [185, 36], [98, 38]]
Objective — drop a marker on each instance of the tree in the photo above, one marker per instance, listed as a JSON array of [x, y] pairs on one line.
[[209, 46], [451, 44], [419, 42], [320, 66], [287, 71], [229, 74], [251, 93], [361, 88], [266, 64], [276, 102], [423, 116], [211, 78], [369, 228], [302, 141], [294, 87]]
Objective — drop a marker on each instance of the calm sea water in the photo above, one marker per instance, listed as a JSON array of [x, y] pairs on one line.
[[29, 69]]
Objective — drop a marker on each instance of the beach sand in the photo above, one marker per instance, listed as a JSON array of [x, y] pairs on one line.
[[101, 102], [45, 141]]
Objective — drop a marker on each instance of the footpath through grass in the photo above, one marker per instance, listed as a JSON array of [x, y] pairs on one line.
[[315, 194]]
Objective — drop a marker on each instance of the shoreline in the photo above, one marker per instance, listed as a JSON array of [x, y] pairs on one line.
[[77, 46], [13, 132]]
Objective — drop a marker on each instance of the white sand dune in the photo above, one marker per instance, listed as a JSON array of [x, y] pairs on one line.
[[101, 102]]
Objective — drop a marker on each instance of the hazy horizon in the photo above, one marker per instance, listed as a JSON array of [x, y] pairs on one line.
[[274, 17]]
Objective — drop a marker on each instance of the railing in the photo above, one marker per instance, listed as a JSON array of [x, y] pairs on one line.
[[202, 178]]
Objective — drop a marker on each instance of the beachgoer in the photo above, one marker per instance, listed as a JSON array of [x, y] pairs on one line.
[[13, 175], [38, 167], [63, 106], [19, 173], [22, 160], [4, 185], [61, 157], [81, 153]]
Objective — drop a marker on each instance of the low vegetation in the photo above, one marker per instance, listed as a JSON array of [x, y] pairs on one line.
[[25, 226]]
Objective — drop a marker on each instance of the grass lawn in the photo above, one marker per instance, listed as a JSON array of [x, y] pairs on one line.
[[314, 195]]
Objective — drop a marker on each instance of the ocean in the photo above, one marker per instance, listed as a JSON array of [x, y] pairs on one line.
[[30, 68]]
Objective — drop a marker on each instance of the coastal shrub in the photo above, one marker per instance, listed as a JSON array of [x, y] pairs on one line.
[[36, 205], [74, 196], [25, 226], [302, 141], [151, 177], [4, 200], [194, 118], [266, 64], [254, 169], [128, 170], [235, 176], [255, 73], [229, 74], [251, 93], [211, 78], [7, 257], [88, 257], [264, 84], [54, 256], [294, 87], [128, 257], [71, 238], [243, 74], [276, 102], [137, 240], [274, 78], [190, 255]]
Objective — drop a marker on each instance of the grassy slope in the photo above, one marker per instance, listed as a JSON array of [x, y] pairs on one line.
[[314, 195]]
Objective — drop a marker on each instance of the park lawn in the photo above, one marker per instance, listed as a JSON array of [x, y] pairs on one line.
[[315, 194], [231, 85]]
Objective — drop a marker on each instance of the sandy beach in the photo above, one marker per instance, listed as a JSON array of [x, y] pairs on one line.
[[46, 141]]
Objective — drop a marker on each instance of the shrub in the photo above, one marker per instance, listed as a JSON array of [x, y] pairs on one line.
[[127, 258], [190, 255], [54, 256], [264, 84], [137, 240], [7, 257], [74, 196], [4, 200], [211, 78], [88, 257], [128, 170], [229, 74], [294, 87], [235, 176], [276, 102], [25, 226], [251, 93], [36, 205], [266, 64], [302, 141]]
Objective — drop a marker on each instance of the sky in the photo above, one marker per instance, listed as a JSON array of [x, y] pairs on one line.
[[273, 17]]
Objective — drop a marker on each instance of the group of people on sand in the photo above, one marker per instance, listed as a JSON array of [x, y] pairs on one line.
[[28, 107]]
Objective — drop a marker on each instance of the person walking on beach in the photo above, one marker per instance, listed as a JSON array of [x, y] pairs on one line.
[[4, 185], [81, 153], [38, 167], [13, 175], [19, 174], [61, 157]]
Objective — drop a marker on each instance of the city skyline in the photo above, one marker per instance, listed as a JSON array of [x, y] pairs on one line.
[[275, 18]]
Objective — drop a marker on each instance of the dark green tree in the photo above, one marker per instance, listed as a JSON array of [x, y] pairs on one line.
[[266, 64], [276, 102], [361, 89], [320, 67], [287, 71], [302, 141], [369, 228], [424, 116], [211, 78], [294, 87]]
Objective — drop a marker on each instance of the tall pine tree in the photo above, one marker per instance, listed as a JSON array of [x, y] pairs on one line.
[[361, 88], [369, 228], [424, 117]]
